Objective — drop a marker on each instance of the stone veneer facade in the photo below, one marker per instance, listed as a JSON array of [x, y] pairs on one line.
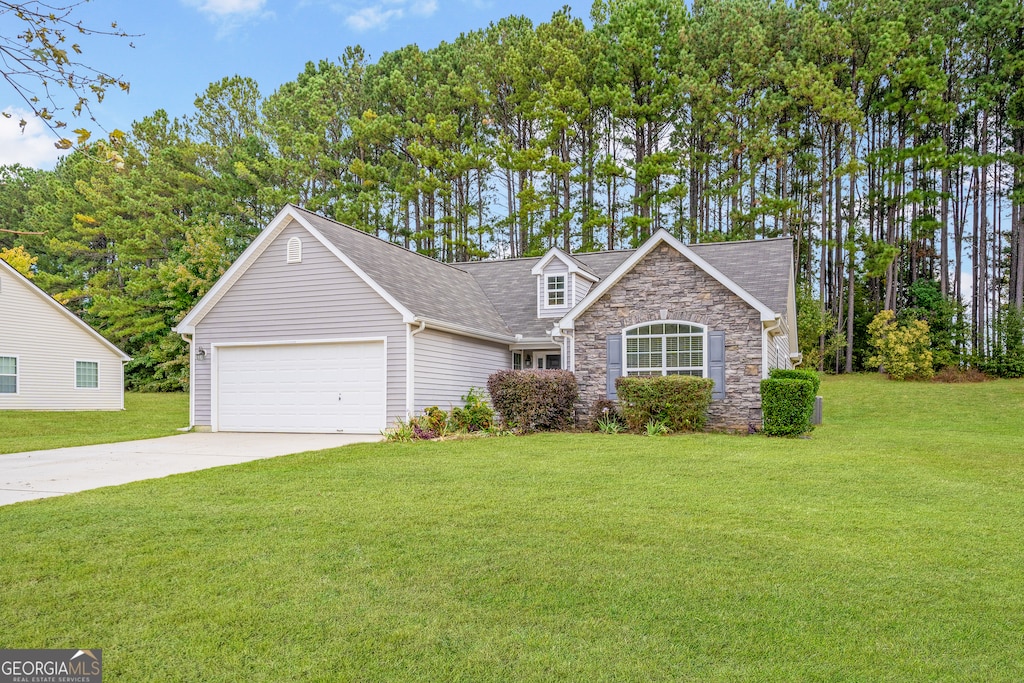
[[667, 280]]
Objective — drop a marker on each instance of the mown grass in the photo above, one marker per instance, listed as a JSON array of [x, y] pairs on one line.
[[145, 416], [888, 547]]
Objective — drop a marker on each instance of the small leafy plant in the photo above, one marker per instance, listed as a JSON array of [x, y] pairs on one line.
[[475, 416], [609, 425], [656, 428]]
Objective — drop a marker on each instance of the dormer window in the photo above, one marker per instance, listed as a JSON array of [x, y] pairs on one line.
[[556, 290]]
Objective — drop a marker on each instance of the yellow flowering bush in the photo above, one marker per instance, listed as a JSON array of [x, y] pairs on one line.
[[901, 350]]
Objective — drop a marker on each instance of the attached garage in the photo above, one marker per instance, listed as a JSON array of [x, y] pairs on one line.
[[316, 386]]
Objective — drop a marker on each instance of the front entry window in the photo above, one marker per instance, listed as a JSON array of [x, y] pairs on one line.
[[553, 362], [665, 349]]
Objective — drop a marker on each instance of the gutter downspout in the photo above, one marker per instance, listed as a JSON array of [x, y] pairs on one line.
[[766, 333], [191, 380], [410, 367], [568, 352]]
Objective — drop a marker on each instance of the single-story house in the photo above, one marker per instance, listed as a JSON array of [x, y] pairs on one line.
[[50, 359], [321, 327]]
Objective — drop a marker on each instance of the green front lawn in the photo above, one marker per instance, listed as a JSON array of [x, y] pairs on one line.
[[888, 547], [144, 416]]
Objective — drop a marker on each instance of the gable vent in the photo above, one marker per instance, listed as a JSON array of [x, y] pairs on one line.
[[294, 250]]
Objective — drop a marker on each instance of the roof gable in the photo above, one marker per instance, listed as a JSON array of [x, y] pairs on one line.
[[572, 264], [59, 309], [259, 245], [418, 287], [664, 237]]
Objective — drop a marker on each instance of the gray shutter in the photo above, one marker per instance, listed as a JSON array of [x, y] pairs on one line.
[[614, 363], [716, 363]]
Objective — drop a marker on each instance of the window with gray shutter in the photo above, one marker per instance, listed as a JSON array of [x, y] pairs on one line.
[[614, 363]]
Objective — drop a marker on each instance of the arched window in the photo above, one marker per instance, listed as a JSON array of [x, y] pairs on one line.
[[666, 348], [294, 250]]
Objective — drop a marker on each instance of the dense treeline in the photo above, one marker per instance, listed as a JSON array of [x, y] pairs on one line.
[[886, 137]]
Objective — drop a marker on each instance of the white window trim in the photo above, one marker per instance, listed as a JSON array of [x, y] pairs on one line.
[[17, 373], [521, 360], [548, 290], [704, 345], [75, 368]]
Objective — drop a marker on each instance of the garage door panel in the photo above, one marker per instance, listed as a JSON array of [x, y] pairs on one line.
[[318, 387]]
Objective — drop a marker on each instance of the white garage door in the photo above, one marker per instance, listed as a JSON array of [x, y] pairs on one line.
[[319, 387]]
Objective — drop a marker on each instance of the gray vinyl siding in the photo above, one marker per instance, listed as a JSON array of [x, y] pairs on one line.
[[319, 298], [447, 365], [47, 343], [780, 346], [580, 288]]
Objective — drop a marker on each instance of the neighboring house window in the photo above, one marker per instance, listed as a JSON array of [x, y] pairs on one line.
[[8, 375], [556, 290], [517, 361], [87, 374], [294, 250], [665, 349]]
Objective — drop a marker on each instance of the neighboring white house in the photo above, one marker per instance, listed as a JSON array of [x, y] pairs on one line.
[[319, 327], [49, 358]]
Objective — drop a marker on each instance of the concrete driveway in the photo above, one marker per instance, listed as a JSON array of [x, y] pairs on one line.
[[41, 474]]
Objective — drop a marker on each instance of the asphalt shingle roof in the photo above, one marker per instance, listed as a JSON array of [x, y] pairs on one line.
[[428, 288], [761, 267], [512, 287], [499, 296]]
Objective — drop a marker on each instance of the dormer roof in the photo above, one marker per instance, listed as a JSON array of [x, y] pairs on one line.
[[571, 263]]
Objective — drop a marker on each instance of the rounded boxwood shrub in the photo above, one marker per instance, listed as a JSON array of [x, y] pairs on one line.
[[787, 406], [534, 400], [679, 401], [798, 373]]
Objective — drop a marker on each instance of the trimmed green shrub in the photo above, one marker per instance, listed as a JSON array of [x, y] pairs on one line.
[[798, 373], [679, 401], [787, 406], [534, 400]]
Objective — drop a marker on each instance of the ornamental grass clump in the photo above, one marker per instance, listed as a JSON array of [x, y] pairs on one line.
[[679, 402]]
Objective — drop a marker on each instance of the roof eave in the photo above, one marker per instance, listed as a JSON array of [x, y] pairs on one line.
[[455, 328]]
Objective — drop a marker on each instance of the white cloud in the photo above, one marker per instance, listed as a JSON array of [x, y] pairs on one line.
[[229, 15], [379, 15], [228, 8], [372, 17], [424, 8], [32, 148]]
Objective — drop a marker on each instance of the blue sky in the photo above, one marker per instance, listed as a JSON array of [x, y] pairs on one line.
[[184, 45]]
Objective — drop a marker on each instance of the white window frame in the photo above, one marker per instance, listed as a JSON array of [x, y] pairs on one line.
[[664, 369], [517, 360], [562, 291], [94, 362], [17, 374]]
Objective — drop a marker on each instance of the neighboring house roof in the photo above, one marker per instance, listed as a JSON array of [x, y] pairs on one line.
[[497, 298], [59, 309]]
